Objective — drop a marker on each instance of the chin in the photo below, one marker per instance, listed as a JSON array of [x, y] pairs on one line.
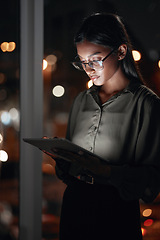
[[98, 84]]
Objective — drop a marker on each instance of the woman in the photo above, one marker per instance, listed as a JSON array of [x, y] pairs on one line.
[[118, 120]]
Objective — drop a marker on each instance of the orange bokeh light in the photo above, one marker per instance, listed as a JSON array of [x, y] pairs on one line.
[[136, 55], [8, 46], [11, 46], [147, 212], [143, 231], [89, 84], [4, 46]]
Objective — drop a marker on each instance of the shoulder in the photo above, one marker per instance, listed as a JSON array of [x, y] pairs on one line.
[[145, 91], [79, 97], [148, 101], [146, 95], [77, 101], [84, 93]]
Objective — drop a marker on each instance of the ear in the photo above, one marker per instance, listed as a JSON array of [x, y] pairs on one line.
[[122, 50]]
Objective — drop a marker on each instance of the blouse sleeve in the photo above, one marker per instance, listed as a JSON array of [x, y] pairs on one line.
[[73, 114], [142, 180], [63, 168]]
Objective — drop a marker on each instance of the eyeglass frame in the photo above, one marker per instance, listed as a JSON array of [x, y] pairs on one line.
[[90, 62]]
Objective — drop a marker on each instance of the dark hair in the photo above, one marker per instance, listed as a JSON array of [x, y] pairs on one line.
[[108, 30]]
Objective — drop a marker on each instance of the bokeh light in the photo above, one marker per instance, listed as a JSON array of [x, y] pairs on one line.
[[143, 231], [3, 156], [58, 91], [5, 118], [148, 222], [14, 114], [1, 138], [159, 63], [89, 84], [11, 46], [8, 46], [136, 55], [51, 59], [45, 64], [147, 212], [4, 46]]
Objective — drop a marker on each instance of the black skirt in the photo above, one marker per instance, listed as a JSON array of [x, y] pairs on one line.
[[95, 212]]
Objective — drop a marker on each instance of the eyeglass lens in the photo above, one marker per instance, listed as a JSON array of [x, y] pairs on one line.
[[97, 65]]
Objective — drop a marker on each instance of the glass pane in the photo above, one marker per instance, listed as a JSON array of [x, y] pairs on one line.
[[62, 83], [9, 120]]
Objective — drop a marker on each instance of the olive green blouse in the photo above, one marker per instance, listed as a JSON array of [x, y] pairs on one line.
[[125, 132]]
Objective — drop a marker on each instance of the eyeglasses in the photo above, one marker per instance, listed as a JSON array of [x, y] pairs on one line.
[[97, 65]]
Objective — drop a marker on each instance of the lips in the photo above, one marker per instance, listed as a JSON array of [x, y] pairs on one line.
[[94, 77]]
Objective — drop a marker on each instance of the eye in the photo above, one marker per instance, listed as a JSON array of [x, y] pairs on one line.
[[82, 60], [97, 58]]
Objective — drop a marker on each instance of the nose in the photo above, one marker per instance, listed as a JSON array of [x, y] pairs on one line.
[[89, 69]]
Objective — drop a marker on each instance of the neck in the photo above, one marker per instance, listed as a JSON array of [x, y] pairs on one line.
[[113, 86], [116, 83]]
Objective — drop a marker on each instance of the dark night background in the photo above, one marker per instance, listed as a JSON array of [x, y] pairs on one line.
[[61, 20]]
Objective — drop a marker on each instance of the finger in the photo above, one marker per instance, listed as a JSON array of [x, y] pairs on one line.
[[49, 154]]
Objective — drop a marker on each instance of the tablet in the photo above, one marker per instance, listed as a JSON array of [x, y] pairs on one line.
[[51, 144]]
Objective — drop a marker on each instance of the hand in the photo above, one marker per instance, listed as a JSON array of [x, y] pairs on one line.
[[80, 162], [48, 153]]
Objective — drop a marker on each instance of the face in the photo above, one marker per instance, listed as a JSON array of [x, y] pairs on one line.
[[88, 51]]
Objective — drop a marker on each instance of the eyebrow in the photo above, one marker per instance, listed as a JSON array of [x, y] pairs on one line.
[[91, 54]]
